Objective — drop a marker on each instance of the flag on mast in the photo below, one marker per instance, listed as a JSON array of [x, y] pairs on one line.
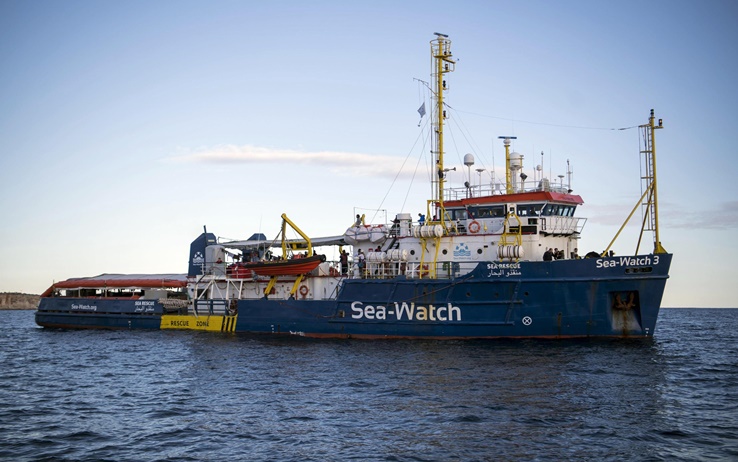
[[421, 110]]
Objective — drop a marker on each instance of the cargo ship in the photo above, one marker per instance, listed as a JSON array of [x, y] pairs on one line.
[[488, 262]]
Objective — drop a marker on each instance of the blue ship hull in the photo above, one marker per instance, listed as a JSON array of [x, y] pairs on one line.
[[62, 320], [606, 297], [560, 299], [98, 313]]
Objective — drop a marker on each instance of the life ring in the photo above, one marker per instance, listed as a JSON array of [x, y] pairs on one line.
[[424, 271], [303, 291], [474, 227]]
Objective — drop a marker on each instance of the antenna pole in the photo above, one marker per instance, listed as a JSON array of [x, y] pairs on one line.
[[444, 63], [651, 210], [652, 127]]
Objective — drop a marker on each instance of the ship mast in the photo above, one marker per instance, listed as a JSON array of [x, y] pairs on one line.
[[508, 170], [649, 198], [652, 204], [443, 64]]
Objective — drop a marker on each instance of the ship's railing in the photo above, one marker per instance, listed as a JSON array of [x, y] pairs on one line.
[[211, 307], [554, 224], [229, 287], [415, 270], [451, 194]]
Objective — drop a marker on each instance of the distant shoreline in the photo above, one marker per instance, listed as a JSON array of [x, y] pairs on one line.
[[18, 301]]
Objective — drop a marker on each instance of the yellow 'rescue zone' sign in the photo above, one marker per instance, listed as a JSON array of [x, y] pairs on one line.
[[191, 322]]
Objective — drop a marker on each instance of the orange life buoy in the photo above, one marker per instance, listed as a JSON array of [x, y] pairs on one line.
[[474, 227], [303, 290]]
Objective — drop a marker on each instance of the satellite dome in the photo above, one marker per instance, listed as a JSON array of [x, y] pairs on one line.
[[516, 160]]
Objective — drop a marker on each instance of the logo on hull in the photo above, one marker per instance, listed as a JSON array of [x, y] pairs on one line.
[[405, 312], [462, 251]]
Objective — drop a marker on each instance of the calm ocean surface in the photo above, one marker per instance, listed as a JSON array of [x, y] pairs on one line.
[[134, 395]]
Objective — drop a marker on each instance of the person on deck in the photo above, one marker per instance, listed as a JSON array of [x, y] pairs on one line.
[[548, 255], [344, 262], [362, 262]]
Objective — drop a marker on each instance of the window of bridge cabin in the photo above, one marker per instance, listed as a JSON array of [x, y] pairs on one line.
[[551, 210], [487, 211], [457, 214], [529, 210], [559, 210]]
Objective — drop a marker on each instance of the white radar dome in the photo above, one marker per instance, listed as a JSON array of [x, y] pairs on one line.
[[516, 160], [469, 160]]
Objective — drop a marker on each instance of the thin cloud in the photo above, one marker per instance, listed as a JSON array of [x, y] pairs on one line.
[[344, 163], [725, 217], [609, 215], [673, 216]]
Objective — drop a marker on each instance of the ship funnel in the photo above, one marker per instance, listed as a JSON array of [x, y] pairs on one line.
[[197, 253]]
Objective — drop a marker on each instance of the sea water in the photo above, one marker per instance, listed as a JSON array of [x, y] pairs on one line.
[[164, 395]]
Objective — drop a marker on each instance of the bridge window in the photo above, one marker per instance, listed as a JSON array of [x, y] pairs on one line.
[[456, 214], [561, 210], [487, 211], [529, 210]]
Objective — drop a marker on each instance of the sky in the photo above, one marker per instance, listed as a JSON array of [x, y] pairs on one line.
[[125, 127]]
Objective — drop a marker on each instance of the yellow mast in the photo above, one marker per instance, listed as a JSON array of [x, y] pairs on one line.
[[508, 172], [650, 195], [441, 52], [657, 248]]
